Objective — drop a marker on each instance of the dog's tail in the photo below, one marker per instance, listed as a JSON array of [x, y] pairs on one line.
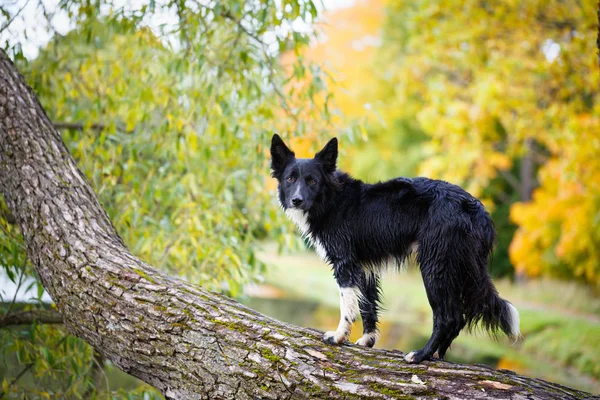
[[482, 302], [495, 315]]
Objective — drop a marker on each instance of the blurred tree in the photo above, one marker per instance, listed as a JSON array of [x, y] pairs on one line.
[[559, 230], [485, 96], [495, 87], [169, 121]]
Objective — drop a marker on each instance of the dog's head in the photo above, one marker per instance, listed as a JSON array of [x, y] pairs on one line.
[[302, 181]]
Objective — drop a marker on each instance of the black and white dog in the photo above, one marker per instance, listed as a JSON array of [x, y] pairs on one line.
[[360, 228]]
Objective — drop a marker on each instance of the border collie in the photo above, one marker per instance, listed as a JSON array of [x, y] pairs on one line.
[[361, 228]]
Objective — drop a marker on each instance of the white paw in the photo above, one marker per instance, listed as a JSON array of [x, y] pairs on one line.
[[367, 340], [334, 337], [410, 357]]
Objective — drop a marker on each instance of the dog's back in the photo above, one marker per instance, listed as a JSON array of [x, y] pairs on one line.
[[389, 219]]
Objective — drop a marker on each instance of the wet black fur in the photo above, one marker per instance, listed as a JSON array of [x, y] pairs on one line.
[[363, 225]]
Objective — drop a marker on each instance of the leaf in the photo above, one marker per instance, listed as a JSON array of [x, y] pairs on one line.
[[10, 274], [40, 291]]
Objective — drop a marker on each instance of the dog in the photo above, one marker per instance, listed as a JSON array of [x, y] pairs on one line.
[[360, 229]]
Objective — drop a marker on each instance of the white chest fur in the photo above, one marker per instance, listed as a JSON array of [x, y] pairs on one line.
[[300, 218]]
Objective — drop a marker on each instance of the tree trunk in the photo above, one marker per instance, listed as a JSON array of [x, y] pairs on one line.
[[526, 186], [527, 172], [187, 342]]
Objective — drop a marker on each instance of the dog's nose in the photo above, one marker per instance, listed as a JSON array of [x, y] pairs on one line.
[[297, 202]]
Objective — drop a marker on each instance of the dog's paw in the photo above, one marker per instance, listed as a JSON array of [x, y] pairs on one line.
[[334, 337], [414, 357], [367, 340]]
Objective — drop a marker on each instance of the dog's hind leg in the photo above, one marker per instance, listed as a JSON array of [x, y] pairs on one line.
[[459, 324], [369, 306], [444, 304]]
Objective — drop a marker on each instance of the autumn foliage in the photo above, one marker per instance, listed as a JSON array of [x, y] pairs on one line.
[[501, 98]]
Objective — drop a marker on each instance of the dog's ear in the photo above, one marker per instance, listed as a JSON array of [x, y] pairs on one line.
[[280, 154], [328, 156]]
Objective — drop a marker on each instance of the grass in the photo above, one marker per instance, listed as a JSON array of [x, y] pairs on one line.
[[560, 321]]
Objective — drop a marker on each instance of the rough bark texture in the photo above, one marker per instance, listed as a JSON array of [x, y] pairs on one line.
[[184, 340]]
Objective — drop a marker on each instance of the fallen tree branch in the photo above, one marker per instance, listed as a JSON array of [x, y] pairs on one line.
[[80, 126], [184, 340], [28, 317]]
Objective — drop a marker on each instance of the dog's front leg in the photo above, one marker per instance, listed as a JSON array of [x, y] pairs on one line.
[[347, 280]]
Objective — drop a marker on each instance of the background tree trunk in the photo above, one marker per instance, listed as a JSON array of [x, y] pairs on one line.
[[186, 341]]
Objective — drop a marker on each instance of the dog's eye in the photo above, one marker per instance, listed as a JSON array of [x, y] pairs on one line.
[[291, 179], [312, 182]]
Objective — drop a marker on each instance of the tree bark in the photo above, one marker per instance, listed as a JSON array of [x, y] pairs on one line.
[[187, 342]]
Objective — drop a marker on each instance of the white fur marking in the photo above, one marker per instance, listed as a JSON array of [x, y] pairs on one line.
[[338, 337], [367, 338], [414, 247], [348, 311], [297, 192], [299, 218], [349, 302], [320, 250], [410, 357], [514, 321], [411, 258], [372, 271]]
